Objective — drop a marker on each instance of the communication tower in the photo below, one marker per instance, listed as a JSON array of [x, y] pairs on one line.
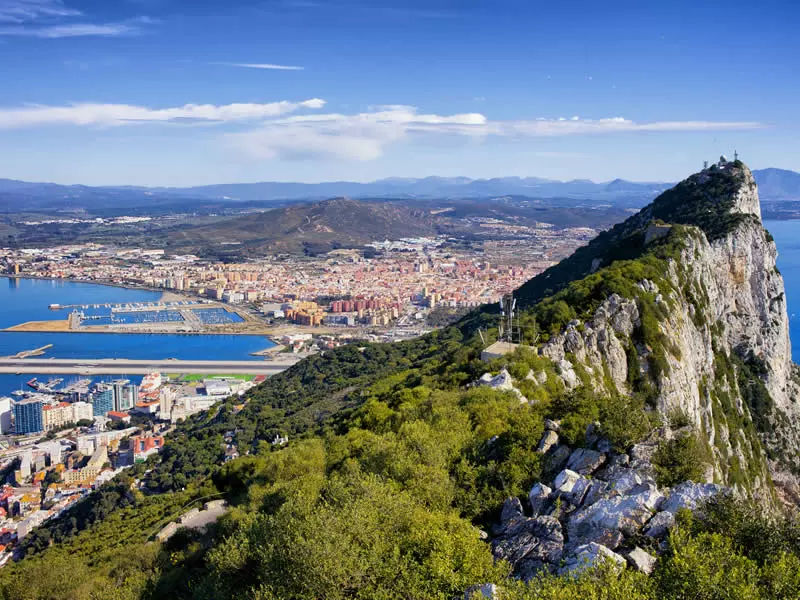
[[508, 305]]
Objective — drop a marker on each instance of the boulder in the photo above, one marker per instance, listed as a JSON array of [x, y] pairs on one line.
[[539, 498], [565, 481], [643, 452], [481, 591], [549, 440], [512, 508], [530, 544], [622, 480], [690, 495], [597, 491], [588, 556], [610, 538], [578, 493], [625, 513], [502, 382], [556, 459], [585, 461], [660, 524], [592, 433], [641, 560], [567, 373], [604, 446], [551, 425]]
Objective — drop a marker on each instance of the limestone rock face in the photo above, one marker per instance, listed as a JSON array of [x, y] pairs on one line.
[[600, 340], [689, 495], [723, 304]]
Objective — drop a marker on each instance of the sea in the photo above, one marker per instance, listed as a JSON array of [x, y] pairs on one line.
[[787, 239], [24, 300]]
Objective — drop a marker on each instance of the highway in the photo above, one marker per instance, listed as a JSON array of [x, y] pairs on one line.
[[116, 366]]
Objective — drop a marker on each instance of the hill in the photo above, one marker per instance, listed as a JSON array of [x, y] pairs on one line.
[[649, 419], [778, 184], [315, 228]]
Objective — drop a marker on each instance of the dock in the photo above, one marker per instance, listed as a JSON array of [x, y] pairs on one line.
[[31, 353]]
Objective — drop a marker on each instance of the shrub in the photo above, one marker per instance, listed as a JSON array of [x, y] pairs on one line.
[[679, 459]]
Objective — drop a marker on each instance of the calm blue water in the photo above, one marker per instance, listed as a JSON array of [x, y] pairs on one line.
[[787, 238], [28, 300]]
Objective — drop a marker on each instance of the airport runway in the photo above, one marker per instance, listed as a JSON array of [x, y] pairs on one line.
[[114, 366]]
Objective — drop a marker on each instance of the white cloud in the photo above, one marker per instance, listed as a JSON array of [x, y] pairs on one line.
[[73, 30], [287, 130], [123, 114], [364, 136], [578, 126], [268, 66], [51, 19], [22, 11]]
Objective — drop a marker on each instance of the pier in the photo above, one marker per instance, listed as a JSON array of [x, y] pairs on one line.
[[31, 353]]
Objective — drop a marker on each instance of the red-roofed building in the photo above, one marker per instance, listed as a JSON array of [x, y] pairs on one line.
[[56, 415], [115, 415], [145, 445]]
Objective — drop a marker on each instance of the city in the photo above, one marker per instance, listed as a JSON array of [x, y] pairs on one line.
[[395, 287]]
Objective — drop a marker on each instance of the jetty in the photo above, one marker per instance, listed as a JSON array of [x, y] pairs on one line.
[[31, 353]]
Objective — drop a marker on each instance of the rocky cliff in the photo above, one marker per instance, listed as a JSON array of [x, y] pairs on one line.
[[706, 324], [681, 306]]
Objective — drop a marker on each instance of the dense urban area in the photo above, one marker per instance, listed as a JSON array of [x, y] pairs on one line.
[[394, 284]]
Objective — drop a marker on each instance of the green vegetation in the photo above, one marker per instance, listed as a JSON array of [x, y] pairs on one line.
[[191, 377], [395, 462], [679, 459]]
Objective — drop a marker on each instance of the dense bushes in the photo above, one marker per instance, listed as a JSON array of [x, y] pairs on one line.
[[679, 459]]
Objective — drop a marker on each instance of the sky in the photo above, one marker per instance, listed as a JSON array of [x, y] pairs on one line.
[[194, 92]]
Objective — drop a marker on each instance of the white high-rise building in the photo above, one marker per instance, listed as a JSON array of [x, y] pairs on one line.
[[81, 411], [5, 415]]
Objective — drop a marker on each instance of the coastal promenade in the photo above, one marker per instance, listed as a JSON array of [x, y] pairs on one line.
[[115, 366]]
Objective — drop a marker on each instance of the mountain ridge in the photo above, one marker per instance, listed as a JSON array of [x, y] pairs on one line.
[[775, 183]]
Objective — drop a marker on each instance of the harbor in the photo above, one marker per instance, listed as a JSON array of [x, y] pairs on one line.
[[174, 316]]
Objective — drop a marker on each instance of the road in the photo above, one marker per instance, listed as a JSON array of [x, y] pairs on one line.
[[115, 366]]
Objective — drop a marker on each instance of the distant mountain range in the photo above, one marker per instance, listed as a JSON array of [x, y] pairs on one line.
[[774, 184]]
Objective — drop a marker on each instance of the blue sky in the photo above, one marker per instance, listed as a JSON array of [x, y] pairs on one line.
[[178, 92]]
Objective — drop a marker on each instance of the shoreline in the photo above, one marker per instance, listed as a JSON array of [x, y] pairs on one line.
[[21, 327]]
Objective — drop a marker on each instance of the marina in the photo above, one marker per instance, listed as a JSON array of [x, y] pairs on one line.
[[24, 300]]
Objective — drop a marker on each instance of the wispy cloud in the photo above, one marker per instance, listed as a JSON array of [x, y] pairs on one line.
[[269, 66], [577, 126], [375, 9], [24, 11], [295, 130], [126, 114], [361, 136], [50, 19], [74, 30], [365, 136]]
